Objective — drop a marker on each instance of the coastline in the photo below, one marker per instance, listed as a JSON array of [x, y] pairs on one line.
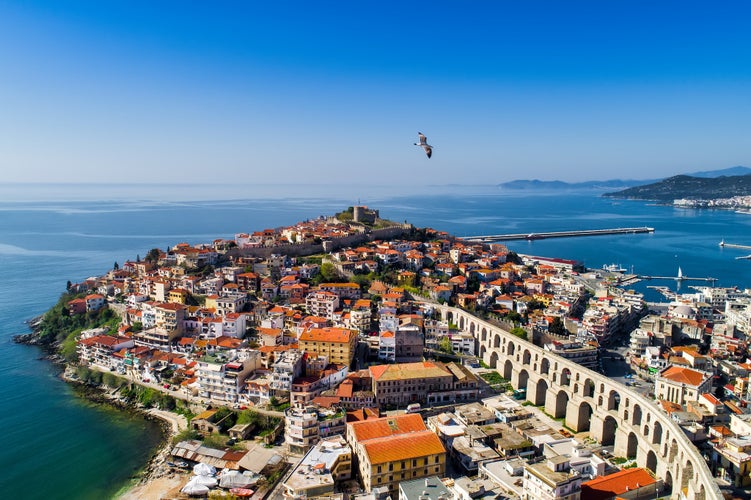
[[157, 479]]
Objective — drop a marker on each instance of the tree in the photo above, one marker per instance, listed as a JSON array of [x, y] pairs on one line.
[[153, 255], [328, 272], [557, 327], [520, 332], [444, 345], [513, 258], [116, 266]]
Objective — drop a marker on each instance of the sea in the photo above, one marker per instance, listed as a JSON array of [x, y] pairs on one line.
[[57, 444]]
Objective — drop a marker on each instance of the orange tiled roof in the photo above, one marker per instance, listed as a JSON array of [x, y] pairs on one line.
[[387, 426], [405, 371], [403, 447], [328, 334], [683, 375], [615, 484]]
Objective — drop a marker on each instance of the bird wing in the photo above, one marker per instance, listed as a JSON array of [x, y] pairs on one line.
[[423, 139], [428, 150]]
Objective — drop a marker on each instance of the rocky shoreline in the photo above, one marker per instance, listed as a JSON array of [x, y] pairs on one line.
[[157, 467]]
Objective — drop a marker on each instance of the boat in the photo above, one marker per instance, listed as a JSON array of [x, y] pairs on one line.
[[614, 268]]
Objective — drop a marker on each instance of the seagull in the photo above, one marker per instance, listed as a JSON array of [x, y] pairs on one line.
[[424, 144]]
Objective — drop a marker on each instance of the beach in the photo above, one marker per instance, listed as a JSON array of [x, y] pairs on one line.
[[160, 480]]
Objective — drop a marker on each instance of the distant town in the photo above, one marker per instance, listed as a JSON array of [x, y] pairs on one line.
[[352, 357]]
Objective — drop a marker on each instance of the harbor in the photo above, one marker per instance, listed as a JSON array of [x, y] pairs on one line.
[[559, 234]]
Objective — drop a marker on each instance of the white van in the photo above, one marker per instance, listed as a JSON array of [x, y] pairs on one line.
[[413, 408]]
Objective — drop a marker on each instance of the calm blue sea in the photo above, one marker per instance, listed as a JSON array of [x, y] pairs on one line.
[[56, 445]]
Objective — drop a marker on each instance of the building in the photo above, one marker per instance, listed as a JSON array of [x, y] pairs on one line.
[[582, 353], [405, 383], [288, 366], [627, 484], [429, 488], [224, 381], [322, 303], [329, 462], [390, 450], [551, 480], [338, 344], [680, 385], [98, 350], [304, 427]]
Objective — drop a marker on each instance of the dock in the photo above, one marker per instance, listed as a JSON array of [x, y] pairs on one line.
[[677, 278], [733, 245], [558, 234]]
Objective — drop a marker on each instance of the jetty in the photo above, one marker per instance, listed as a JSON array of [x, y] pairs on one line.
[[558, 234], [733, 245], [679, 277]]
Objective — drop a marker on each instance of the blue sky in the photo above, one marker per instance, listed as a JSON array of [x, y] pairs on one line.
[[335, 92]]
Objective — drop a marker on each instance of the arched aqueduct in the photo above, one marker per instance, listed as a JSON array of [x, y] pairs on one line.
[[611, 412]]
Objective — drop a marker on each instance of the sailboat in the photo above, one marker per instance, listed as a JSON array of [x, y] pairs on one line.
[[680, 274]]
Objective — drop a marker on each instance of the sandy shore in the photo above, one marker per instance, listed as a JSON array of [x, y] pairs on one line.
[[160, 481]]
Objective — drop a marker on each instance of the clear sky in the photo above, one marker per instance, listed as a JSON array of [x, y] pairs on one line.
[[335, 92]]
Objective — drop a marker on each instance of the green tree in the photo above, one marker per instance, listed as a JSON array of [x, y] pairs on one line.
[[519, 332], [557, 327], [329, 273], [153, 255], [444, 345]]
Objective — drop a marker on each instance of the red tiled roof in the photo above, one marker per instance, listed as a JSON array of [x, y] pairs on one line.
[[618, 483], [682, 375], [387, 426], [402, 447], [328, 334]]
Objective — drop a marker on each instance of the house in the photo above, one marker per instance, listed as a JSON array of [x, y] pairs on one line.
[[338, 344], [393, 449], [326, 465], [627, 484], [680, 385]]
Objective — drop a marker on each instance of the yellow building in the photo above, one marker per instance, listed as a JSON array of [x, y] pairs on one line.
[[177, 296], [338, 344], [394, 449]]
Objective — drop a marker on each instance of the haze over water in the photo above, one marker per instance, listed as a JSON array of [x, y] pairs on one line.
[[51, 234]]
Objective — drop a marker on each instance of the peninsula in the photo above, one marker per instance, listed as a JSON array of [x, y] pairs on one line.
[[280, 355]]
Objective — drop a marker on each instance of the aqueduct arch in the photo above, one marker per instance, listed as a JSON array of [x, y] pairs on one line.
[[617, 415]]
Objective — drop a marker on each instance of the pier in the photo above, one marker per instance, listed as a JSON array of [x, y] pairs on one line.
[[733, 245], [680, 277], [558, 234]]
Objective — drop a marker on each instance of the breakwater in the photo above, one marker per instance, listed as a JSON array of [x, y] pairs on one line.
[[559, 234]]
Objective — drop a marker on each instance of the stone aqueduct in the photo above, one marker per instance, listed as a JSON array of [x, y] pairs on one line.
[[611, 412]]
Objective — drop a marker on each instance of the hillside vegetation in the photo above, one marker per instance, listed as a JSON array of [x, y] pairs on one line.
[[687, 187]]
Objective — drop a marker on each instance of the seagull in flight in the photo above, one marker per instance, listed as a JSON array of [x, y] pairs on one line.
[[424, 144]]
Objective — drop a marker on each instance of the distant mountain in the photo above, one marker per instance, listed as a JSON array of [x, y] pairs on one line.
[[688, 187], [622, 184], [739, 170], [560, 185]]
